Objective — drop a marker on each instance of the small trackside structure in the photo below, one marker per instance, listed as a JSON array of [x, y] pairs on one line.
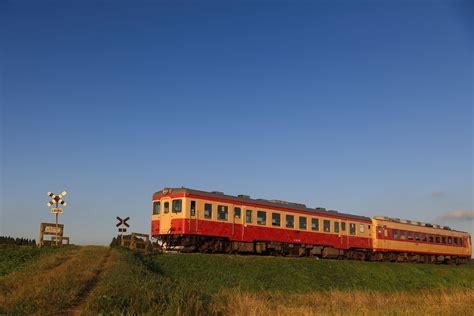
[[136, 241], [56, 231]]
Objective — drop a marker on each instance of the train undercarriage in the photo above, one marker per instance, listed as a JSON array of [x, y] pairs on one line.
[[209, 244]]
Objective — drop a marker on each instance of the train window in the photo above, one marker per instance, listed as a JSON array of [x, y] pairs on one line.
[[276, 219], [403, 235], [431, 238], [450, 240], [290, 221], [395, 234], [438, 239], [208, 210], [193, 208], [343, 226], [167, 207], [248, 216], [177, 206], [336, 227], [417, 236], [237, 212], [315, 224], [423, 238], [385, 232], [410, 235], [327, 225], [352, 228], [361, 228], [261, 217], [379, 230], [443, 239], [302, 222], [156, 208], [222, 212], [455, 240], [460, 241]]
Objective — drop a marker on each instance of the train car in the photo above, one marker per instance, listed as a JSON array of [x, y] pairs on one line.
[[404, 240], [191, 220]]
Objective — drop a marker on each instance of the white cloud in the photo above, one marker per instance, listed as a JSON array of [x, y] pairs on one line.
[[459, 215]]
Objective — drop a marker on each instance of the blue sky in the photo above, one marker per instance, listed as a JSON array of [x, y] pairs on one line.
[[362, 107]]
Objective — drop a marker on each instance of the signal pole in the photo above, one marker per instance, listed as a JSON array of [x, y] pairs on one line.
[[57, 199]]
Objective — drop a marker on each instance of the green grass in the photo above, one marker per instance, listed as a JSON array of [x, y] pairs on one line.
[[14, 258], [212, 273], [132, 287], [51, 281]]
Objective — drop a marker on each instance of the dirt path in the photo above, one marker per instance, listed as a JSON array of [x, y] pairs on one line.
[[84, 295], [70, 276]]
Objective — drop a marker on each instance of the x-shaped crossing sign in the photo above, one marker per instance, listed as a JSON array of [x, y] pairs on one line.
[[122, 221]]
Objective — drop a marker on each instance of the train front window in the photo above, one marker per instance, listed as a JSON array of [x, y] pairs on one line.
[[193, 208], [261, 217], [156, 208], [290, 221], [167, 207], [177, 206], [222, 212], [276, 219]]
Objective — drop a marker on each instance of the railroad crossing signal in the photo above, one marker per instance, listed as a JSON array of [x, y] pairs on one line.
[[56, 200], [121, 223]]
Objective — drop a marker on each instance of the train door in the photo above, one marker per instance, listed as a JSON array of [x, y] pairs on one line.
[[237, 223], [165, 221], [193, 217], [381, 232]]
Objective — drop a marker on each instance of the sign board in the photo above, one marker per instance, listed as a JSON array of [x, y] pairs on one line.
[[50, 229], [55, 210]]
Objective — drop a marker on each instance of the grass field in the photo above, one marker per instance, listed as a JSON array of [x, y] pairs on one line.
[[99, 280]]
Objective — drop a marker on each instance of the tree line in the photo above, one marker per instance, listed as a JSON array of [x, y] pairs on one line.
[[7, 240]]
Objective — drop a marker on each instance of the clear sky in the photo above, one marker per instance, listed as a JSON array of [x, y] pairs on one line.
[[363, 107]]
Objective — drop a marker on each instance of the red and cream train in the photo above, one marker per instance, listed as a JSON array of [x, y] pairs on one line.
[[191, 220]]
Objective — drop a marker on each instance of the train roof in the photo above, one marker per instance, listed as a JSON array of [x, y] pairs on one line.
[[416, 223], [272, 203]]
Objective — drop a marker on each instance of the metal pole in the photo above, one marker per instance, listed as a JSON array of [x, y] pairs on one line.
[[57, 230]]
